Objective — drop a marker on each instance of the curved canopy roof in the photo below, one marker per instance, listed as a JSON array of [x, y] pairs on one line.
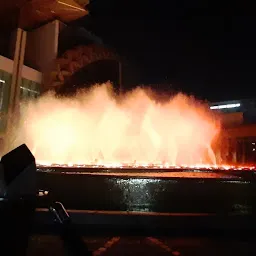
[[28, 14], [82, 2]]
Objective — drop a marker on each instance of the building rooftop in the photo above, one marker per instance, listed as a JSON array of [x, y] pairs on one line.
[[242, 105]]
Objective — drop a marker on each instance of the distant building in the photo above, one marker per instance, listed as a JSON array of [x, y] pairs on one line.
[[238, 136]]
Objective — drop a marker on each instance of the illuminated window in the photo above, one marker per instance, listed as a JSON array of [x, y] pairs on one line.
[[226, 106], [29, 89]]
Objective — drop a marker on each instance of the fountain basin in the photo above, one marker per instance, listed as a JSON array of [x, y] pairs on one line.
[[185, 191]]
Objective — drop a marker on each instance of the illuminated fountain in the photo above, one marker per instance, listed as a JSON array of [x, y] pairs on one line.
[[114, 148], [98, 128]]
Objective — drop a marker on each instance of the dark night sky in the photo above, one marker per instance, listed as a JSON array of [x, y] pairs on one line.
[[199, 48]]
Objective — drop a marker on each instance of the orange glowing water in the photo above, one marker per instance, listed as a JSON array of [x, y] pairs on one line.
[[96, 127]]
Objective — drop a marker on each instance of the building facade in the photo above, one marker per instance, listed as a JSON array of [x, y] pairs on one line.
[[30, 81], [29, 47], [39, 51], [237, 142]]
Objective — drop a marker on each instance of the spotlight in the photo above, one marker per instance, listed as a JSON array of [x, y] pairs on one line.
[[18, 198], [18, 174]]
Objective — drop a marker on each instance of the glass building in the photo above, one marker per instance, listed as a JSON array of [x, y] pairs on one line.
[[29, 89]]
